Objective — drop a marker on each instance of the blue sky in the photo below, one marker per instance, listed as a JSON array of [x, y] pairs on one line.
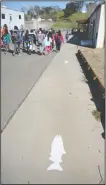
[[19, 4]]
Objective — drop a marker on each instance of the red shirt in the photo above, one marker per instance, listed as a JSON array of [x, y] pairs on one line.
[[61, 37]]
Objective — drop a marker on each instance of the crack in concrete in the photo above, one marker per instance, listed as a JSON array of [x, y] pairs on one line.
[[100, 175]]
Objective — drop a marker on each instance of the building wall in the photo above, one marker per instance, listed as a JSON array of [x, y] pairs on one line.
[[15, 18], [101, 30], [33, 24], [94, 26]]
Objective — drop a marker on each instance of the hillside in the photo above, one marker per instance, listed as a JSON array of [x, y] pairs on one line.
[[69, 22], [77, 16]]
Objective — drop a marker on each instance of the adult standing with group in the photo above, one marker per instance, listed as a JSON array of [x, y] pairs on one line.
[[6, 37], [59, 40], [40, 38]]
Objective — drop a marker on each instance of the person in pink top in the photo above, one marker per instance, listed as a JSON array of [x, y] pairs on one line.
[[59, 40]]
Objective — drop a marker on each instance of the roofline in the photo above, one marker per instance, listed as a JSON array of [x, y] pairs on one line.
[[96, 10], [85, 21], [12, 9]]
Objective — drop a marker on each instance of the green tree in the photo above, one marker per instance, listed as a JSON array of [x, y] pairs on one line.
[[72, 7]]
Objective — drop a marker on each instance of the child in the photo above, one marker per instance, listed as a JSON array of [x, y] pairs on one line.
[[40, 38], [47, 43], [67, 36], [1, 43], [59, 39], [52, 36], [6, 40], [16, 39]]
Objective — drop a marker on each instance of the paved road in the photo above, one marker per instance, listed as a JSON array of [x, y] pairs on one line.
[[18, 76], [60, 103]]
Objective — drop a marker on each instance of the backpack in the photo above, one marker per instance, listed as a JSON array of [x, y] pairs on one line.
[[16, 37], [41, 38], [58, 40], [6, 39], [33, 37], [29, 37]]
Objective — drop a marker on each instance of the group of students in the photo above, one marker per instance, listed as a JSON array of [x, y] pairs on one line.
[[46, 40], [7, 36]]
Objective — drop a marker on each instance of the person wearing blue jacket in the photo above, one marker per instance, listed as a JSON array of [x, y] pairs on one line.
[[67, 36], [17, 40]]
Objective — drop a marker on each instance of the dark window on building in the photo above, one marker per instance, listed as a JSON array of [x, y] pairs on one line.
[[19, 16], [3, 16], [10, 18], [96, 35]]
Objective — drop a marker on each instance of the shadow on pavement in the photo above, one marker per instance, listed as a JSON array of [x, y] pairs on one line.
[[9, 51], [76, 39], [96, 93]]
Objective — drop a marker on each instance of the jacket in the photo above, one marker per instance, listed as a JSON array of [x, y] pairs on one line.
[[61, 38]]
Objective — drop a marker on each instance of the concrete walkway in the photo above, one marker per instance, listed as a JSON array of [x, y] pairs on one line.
[[58, 104], [18, 76]]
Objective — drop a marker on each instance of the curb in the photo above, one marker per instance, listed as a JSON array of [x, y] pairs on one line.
[[92, 74], [96, 87]]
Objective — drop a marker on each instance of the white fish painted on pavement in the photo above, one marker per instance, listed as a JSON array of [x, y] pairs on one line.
[[57, 150], [66, 62]]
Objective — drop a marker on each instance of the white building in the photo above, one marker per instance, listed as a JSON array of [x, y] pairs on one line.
[[12, 18], [97, 26]]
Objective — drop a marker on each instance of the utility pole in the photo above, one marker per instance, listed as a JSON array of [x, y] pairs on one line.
[[37, 20]]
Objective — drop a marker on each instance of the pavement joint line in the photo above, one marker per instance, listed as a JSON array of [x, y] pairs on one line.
[[14, 112]]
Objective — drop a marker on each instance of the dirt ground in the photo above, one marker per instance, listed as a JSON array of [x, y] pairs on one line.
[[95, 57]]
